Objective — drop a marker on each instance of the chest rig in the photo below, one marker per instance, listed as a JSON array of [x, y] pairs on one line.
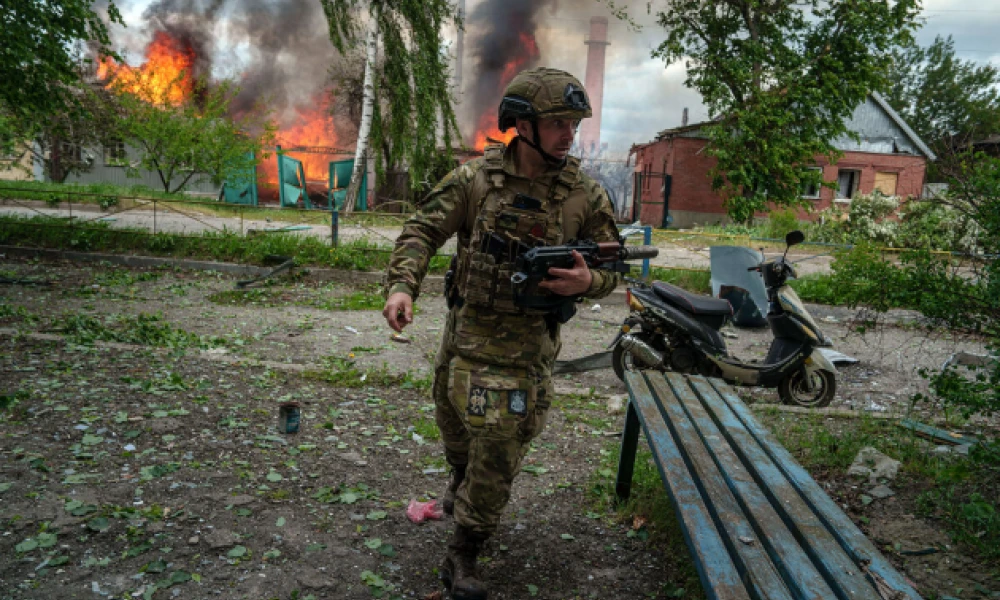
[[506, 223]]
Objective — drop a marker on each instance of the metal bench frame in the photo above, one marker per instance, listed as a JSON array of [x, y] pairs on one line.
[[756, 523]]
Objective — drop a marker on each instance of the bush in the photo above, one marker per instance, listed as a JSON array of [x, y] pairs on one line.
[[938, 225], [868, 219]]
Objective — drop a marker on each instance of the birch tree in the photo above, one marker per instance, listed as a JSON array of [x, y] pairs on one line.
[[412, 111], [367, 106]]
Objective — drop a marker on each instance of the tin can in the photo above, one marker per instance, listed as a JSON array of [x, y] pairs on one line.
[[288, 417]]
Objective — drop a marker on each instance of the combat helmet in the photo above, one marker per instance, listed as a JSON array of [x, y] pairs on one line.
[[542, 93]]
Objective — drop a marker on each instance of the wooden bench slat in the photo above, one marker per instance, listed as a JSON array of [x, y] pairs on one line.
[[843, 529], [714, 564], [839, 569], [751, 558], [769, 531]]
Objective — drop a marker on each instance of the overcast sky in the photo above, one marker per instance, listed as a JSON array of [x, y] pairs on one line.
[[642, 96]]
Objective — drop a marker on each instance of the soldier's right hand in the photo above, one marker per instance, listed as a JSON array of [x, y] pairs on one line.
[[398, 311]]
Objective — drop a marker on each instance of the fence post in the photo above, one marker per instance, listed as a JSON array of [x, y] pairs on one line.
[[334, 225], [154, 216], [647, 239]]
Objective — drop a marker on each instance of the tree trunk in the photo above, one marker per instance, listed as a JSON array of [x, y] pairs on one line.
[[367, 108]]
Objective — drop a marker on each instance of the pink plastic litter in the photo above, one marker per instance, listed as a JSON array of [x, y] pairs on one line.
[[418, 512]]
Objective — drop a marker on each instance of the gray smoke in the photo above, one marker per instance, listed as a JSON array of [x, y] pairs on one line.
[[276, 50], [496, 33]]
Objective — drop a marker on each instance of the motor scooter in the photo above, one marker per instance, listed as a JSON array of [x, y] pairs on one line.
[[671, 329]]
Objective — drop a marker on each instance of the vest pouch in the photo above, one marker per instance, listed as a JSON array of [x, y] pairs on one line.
[[480, 280], [492, 400], [503, 294]]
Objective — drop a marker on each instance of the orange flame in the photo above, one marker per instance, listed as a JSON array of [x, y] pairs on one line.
[[165, 78], [487, 124], [311, 127]]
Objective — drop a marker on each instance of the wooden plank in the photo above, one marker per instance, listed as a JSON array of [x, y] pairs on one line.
[[742, 541], [719, 576], [851, 539], [837, 568], [770, 531], [938, 435]]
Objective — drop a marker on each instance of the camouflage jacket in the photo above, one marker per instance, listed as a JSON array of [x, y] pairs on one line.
[[452, 208]]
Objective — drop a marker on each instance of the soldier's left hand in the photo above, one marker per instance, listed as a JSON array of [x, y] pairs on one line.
[[569, 282]]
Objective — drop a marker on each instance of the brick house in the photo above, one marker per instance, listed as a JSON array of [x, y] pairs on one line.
[[672, 186]]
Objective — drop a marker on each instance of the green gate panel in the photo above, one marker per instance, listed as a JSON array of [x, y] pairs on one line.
[[291, 182], [340, 179], [240, 185]]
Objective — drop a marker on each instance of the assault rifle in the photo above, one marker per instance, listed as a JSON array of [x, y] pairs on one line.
[[532, 266]]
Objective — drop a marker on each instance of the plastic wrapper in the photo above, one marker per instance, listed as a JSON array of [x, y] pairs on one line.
[[418, 512]]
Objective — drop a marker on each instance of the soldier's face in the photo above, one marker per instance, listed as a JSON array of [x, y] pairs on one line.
[[555, 135]]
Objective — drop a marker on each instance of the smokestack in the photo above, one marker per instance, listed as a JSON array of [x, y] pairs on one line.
[[684, 117], [596, 42]]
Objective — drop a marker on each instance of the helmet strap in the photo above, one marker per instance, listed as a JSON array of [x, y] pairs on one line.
[[536, 144]]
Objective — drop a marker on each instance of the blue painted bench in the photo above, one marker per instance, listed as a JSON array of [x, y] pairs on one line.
[[757, 525]]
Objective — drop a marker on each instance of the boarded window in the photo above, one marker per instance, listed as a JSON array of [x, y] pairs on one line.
[[847, 183], [886, 182]]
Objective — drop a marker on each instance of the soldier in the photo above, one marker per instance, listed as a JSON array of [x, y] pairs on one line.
[[492, 378]]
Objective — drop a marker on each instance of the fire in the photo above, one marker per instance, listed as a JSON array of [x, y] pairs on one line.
[[165, 77], [486, 127], [311, 127]]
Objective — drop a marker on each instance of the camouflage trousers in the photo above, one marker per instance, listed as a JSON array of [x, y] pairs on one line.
[[488, 414]]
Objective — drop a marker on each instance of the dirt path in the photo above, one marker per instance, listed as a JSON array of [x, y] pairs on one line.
[[160, 473]]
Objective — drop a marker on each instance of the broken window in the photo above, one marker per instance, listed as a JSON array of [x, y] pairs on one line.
[[810, 190], [847, 183], [114, 153]]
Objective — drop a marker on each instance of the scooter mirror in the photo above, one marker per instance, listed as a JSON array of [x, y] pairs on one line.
[[795, 237]]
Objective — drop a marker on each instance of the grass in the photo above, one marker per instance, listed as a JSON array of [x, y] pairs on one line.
[[649, 514], [692, 281], [344, 372], [52, 232], [963, 491]]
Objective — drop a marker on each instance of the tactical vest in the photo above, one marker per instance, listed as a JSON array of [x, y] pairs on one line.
[[484, 269]]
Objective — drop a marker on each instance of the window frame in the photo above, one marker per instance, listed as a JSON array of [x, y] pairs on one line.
[[819, 186]]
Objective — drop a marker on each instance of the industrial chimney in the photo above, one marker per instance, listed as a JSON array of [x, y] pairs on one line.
[[596, 42]]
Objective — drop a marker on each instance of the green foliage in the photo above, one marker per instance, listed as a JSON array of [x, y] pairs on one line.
[[963, 296], [940, 95], [49, 232], [780, 79], [143, 329], [194, 139], [779, 223], [414, 117], [867, 220], [973, 519], [39, 66]]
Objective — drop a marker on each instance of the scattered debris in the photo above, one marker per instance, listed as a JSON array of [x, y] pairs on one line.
[[616, 403], [398, 337], [352, 330], [921, 552], [729, 334], [287, 263], [873, 464], [592, 362], [749, 541], [595, 308], [838, 358], [968, 359], [881, 492], [830, 319], [418, 512]]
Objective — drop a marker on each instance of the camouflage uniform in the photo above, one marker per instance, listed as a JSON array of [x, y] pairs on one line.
[[492, 379]]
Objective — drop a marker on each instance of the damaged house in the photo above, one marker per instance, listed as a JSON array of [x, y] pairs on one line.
[[672, 186]]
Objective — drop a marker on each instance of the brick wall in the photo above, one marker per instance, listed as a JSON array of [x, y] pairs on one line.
[[692, 200]]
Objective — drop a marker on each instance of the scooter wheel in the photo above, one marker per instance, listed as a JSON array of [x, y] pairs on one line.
[[622, 360], [792, 389]]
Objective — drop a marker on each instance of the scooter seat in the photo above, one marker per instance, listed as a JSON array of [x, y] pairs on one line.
[[692, 303]]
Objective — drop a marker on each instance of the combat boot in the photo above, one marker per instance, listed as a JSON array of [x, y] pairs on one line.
[[457, 476], [458, 572]]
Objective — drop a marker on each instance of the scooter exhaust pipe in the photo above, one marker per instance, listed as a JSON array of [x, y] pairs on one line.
[[642, 353]]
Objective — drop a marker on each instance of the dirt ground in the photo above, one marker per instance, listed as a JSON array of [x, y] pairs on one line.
[[138, 472]]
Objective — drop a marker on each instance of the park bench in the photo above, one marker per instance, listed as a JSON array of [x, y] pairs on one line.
[[757, 525]]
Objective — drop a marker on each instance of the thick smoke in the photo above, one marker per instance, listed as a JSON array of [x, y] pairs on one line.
[[277, 50], [499, 33]]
